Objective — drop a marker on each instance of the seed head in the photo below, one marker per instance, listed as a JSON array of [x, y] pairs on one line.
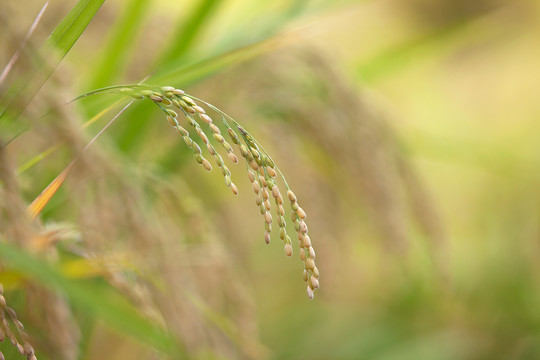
[[202, 135], [292, 196], [271, 171], [207, 119], [288, 250], [253, 165], [301, 213], [314, 282], [263, 181], [302, 254], [232, 157], [243, 151], [189, 100], [233, 136], [310, 292], [227, 147], [219, 138], [306, 241], [275, 191], [264, 193], [214, 128], [196, 148], [198, 109], [303, 227], [255, 153], [268, 217], [172, 113], [262, 171], [256, 187], [310, 264], [305, 276], [182, 131], [28, 349], [206, 165], [219, 160]]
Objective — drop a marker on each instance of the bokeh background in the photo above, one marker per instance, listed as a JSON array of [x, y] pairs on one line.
[[408, 129]]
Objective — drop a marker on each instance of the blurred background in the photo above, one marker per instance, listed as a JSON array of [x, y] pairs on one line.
[[408, 130]]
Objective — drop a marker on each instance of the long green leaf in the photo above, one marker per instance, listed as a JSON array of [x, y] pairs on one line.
[[188, 30], [100, 302], [60, 42], [119, 45], [72, 26]]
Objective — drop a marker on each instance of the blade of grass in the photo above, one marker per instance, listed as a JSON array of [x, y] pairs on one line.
[[73, 25], [425, 45], [116, 52], [102, 303], [190, 74], [188, 30], [60, 41]]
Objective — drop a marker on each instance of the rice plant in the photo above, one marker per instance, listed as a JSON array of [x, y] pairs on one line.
[[263, 173]]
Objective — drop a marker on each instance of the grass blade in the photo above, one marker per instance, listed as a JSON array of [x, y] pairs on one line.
[[61, 40], [187, 32], [116, 52], [73, 25]]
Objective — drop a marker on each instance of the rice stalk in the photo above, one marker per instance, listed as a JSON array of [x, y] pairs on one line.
[[261, 169]]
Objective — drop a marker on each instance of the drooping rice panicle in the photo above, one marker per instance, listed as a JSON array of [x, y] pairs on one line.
[[261, 169]]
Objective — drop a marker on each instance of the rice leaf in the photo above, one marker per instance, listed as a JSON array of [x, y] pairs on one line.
[[117, 50], [73, 25], [188, 30]]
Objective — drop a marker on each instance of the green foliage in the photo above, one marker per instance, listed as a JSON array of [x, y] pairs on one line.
[[424, 205], [97, 300]]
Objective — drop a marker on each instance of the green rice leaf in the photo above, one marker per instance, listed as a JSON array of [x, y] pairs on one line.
[[73, 25]]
